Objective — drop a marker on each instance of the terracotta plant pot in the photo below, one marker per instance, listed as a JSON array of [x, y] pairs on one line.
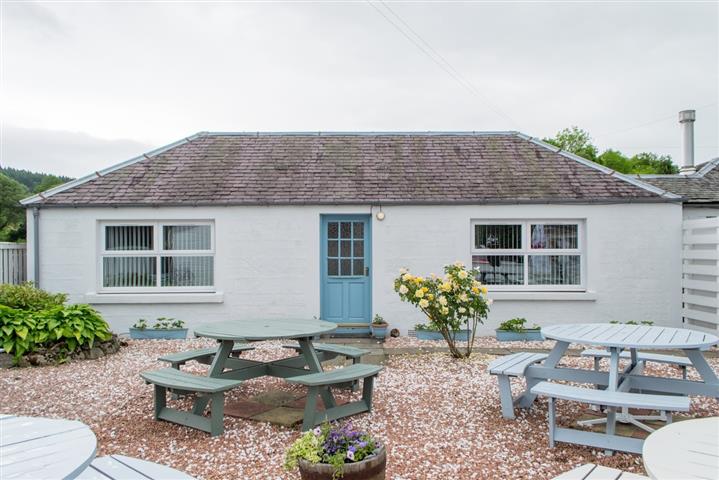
[[371, 468]]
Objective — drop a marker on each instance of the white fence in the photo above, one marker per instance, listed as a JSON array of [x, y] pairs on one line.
[[700, 274], [13, 262]]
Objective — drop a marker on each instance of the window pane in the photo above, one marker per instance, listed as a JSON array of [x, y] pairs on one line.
[[332, 267], [345, 268], [358, 230], [332, 248], [358, 266], [555, 236], [345, 248], [186, 237], [187, 271], [358, 248], [332, 230], [129, 272], [128, 237], [554, 270], [498, 236], [346, 230], [500, 269]]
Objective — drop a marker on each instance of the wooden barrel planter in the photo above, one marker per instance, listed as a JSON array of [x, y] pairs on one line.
[[371, 468]]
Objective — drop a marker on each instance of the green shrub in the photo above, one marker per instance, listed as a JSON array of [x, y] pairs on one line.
[[23, 331], [26, 297], [516, 325]]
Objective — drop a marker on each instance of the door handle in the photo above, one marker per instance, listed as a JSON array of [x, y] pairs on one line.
[[366, 271]]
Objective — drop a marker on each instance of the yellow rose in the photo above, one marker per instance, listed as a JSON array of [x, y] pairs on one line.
[[442, 301], [463, 274], [446, 287], [475, 289], [419, 279], [445, 310], [475, 283], [419, 293], [458, 264], [462, 309], [407, 277], [423, 303], [403, 289], [425, 289], [484, 290], [464, 297], [430, 296]]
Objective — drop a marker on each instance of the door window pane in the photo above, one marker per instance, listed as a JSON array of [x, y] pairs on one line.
[[358, 266], [345, 267], [186, 271], [358, 230], [498, 236], [332, 267], [129, 237], [332, 230], [186, 237], [554, 236], [346, 229], [500, 269], [129, 272], [358, 248], [346, 248], [554, 270], [332, 248]]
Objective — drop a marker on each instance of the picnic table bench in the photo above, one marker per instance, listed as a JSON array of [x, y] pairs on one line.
[[201, 355], [508, 367], [591, 471], [598, 354], [120, 467], [608, 398], [316, 382], [202, 386]]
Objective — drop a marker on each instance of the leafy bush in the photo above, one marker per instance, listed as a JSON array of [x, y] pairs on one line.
[[332, 445], [451, 303], [162, 323], [23, 331], [516, 325], [26, 297]]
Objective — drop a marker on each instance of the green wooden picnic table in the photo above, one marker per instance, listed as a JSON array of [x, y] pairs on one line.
[[253, 330]]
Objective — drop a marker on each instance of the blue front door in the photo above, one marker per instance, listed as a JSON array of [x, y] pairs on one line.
[[345, 255]]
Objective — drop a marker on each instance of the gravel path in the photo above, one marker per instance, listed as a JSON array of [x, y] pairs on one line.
[[439, 417]]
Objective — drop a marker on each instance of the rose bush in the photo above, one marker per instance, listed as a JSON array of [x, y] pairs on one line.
[[452, 302]]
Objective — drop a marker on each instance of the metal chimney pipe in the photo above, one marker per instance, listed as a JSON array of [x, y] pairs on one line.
[[686, 120]]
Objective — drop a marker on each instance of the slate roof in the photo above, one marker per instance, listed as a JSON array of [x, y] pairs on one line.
[[701, 187], [359, 168]]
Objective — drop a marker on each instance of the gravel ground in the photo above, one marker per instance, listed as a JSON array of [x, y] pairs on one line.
[[439, 418]]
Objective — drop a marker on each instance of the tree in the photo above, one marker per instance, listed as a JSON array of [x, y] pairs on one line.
[[12, 214], [647, 162], [47, 183], [576, 141]]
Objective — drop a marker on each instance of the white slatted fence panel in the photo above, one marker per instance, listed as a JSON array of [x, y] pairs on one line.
[[700, 274], [13, 262]]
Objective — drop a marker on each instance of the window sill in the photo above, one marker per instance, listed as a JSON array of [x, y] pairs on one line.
[[134, 298], [544, 296]]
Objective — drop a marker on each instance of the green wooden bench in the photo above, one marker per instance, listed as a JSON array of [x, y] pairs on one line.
[[201, 355], [682, 362], [316, 382], [176, 380], [115, 467], [333, 349], [591, 471], [509, 366]]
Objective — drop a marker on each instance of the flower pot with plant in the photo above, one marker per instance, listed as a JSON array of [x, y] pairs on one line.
[[454, 302], [330, 452], [379, 327], [423, 331], [163, 328], [515, 330]]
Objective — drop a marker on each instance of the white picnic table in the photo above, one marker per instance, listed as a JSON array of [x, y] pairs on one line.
[[616, 338], [684, 450], [41, 448]]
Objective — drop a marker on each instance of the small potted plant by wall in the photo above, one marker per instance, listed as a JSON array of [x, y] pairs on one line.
[[164, 328], [330, 452], [424, 331], [515, 330], [379, 327]]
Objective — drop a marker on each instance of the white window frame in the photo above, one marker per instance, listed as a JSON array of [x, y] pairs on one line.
[[157, 252], [526, 251]]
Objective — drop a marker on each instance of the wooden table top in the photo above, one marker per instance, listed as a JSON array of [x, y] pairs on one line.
[[36, 447], [264, 329], [685, 450], [630, 336]]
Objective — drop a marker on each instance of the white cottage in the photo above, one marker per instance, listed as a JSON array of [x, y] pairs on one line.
[[288, 225]]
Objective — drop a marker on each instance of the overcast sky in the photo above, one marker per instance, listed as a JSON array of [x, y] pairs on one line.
[[87, 85]]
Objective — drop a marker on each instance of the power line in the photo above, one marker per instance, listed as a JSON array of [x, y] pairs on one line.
[[434, 55], [658, 120]]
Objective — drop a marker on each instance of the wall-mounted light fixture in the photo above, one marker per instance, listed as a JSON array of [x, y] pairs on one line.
[[380, 214]]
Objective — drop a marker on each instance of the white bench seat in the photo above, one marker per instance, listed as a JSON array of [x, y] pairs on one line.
[[116, 467], [606, 398], [682, 362], [591, 471], [508, 366]]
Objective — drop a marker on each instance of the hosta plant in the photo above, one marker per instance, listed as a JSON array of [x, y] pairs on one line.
[[451, 303]]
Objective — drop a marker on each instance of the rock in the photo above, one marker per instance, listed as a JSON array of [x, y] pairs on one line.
[[94, 353], [5, 360], [23, 363], [79, 355]]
